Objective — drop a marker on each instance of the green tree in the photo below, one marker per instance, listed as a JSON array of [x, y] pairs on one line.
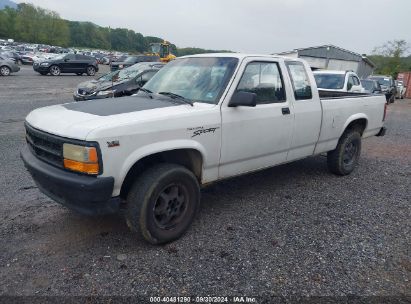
[[388, 57]]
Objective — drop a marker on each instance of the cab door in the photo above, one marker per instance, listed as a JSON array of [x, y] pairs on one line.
[[306, 106], [260, 136], [67, 66]]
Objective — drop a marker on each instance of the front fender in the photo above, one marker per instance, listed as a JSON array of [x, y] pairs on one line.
[[161, 147]]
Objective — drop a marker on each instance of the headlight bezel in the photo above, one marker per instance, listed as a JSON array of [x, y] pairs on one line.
[[44, 64], [86, 145], [106, 92]]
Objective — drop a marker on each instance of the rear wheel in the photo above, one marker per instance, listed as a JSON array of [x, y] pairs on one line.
[[163, 202], [55, 70], [5, 71], [344, 159], [91, 71]]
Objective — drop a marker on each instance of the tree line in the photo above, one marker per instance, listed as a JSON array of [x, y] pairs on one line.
[[33, 24], [390, 58]]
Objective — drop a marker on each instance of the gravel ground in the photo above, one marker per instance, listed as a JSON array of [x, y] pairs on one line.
[[295, 229]]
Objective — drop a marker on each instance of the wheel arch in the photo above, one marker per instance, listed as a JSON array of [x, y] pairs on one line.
[[189, 157], [358, 121]]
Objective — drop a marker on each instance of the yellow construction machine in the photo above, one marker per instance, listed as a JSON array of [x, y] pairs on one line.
[[162, 49]]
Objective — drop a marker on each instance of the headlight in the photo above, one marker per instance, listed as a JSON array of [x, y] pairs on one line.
[[44, 63], [81, 159], [107, 92]]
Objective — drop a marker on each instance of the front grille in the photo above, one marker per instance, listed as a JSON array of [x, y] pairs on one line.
[[45, 146]]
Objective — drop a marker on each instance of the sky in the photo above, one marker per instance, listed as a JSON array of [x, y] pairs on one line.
[[252, 26]]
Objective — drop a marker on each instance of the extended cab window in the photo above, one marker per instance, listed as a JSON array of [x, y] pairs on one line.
[[299, 78], [263, 79]]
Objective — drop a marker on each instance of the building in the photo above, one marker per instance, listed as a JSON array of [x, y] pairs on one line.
[[331, 57]]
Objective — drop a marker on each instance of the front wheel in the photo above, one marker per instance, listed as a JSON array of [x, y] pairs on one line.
[[91, 71], [5, 71], [55, 70], [163, 202], [345, 157]]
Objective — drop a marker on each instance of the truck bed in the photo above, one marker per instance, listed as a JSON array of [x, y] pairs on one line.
[[338, 94]]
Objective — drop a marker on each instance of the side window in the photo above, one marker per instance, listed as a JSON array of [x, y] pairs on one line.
[[70, 57], [147, 76], [299, 78], [350, 83], [263, 79]]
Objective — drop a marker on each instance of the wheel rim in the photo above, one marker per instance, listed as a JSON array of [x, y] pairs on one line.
[[5, 71], [170, 206], [55, 70], [350, 153], [90, 71]]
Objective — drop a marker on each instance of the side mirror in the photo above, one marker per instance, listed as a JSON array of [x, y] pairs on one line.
[[349, 86], [140, 81], [243, 99]]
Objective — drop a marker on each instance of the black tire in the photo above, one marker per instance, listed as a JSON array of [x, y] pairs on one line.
[[345, 157], [5, 70], [54, 70], [91, 71], [163, 202]]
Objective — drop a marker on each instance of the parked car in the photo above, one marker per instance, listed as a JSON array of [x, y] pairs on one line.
[[8, 66], [133, 60], [200, 119], [371, 86], [118, 83], [401, 89], [343, 81], [387, 85], [67, 63], [12, 55]]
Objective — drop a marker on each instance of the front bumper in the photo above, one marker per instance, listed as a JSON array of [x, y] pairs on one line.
[[85, 194], [39, 68]]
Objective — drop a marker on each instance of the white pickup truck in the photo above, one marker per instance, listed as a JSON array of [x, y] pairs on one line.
[[200, 119]]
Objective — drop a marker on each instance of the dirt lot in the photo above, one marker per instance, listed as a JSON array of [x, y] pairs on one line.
[[292, 230]]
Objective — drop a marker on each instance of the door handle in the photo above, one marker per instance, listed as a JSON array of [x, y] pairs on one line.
[[286, 111]]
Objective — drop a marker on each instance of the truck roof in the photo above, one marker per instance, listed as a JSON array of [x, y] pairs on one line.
[[240, 56], [331, 72]]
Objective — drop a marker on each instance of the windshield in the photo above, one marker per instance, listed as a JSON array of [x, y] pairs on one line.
[[382, 81], [368, 84], [124, 74], [155, 48], [199, 79], [329, 81]]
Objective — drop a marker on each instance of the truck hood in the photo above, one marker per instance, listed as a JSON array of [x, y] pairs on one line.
[[77, 120]]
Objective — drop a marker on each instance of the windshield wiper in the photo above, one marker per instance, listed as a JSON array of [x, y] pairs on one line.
[[148, 92], [176, 96]]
